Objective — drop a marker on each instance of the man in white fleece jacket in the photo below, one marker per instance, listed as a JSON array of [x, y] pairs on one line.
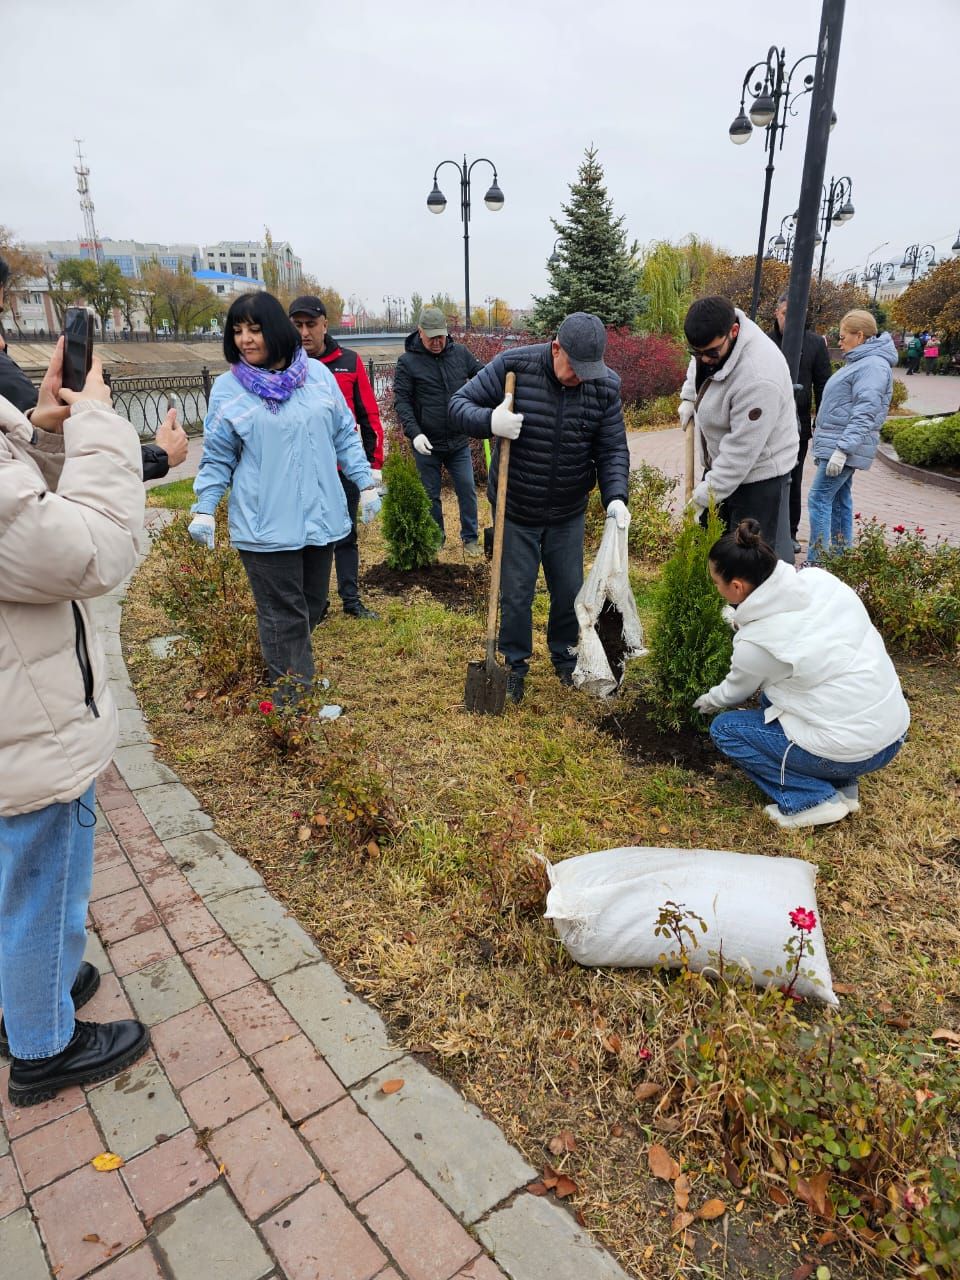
[[739, 393]]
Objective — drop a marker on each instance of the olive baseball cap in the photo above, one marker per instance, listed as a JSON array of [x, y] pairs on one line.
[[584, 339], [433, 322]]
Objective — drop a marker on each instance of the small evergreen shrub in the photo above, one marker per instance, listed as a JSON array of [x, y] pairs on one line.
[[930, 442], [651, 533], [413, 536], [899, 396], [909, 587], [690, 644]]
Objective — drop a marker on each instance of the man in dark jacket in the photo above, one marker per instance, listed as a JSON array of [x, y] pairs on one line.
[[430, 370], [567, 434], [815, 369], [309, 315], [170, 443]]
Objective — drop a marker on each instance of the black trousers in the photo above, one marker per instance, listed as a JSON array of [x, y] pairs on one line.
[[796, 480], [290, 591], [346, 554], [767, 502]]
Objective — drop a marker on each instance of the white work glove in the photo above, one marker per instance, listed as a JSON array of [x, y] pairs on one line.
[[696, 509], [370, 504], [617, 510], [201, 529], [729, 614], [422, 445], [377, 480], [504, 422], [706, 705], [836, 462], [685, 412]]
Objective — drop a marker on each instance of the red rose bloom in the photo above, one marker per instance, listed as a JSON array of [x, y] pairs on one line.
[[803, 919], [266, 707]]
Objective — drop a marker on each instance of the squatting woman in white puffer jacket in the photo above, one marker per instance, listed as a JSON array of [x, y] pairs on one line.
[[831, 707], [71, 513]]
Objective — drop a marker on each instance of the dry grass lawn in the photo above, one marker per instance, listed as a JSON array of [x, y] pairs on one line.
[[441, 927]]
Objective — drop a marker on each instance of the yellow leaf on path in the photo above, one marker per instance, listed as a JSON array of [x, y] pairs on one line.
[[391, 1086], [107, 1161], [712, 1209], [662, 1164]]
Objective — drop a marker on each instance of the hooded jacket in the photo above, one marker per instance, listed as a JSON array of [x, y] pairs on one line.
[[62, 541], [571, 436], [746, 415], [423, 385], [855, 403], [806, 640]]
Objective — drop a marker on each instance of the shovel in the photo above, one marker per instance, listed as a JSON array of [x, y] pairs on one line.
[[486, 688]]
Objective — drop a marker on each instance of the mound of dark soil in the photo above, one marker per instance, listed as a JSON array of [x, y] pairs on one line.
[[610, 634], [456, 586], [645, 743]]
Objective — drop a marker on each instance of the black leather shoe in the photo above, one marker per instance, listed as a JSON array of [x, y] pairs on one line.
[[360, 611], [97, 1051], [84, 988], [515, 688], [566, 678]]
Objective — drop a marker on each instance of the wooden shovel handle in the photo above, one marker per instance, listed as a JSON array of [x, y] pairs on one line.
[[510, 386]]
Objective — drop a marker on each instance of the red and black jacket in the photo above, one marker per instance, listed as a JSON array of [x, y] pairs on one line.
[[347, 367]]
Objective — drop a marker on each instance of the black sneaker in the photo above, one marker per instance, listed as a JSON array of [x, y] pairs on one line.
[[566, 678], [359, 610], [97, 1051], [515, 688], [84, 988]]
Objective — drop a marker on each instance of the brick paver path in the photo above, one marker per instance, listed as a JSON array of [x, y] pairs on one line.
[[256, 1137]]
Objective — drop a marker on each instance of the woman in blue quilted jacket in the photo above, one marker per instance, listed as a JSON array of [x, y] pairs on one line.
[[855, 404]]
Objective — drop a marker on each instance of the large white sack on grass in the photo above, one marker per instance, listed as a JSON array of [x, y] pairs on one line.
[[608, 579], [604, 907]]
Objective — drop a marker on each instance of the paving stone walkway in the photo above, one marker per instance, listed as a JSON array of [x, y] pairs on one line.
[[257, 1137]]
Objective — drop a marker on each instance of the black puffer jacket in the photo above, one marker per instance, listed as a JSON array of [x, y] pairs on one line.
[[423, 385], [815, 369], [571, 436]]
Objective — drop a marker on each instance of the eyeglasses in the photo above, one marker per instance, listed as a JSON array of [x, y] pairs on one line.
[[712, 352]]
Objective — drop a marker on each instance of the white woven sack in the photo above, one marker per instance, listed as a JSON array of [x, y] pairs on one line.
[[608, 579], [604, 907]]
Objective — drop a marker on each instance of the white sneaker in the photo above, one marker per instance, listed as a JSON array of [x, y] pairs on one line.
[[850, 797], [822, 813]]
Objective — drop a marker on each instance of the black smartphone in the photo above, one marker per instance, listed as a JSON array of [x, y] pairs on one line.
[[77, 347]]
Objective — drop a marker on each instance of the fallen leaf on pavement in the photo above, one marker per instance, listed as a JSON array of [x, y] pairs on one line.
[[92, 1238], [662, 1164], [107, 1161], [565, 1187], [944, 1033], [536, 1188], [391, 1086]]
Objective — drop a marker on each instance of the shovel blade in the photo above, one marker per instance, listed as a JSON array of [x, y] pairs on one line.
[[485, 692]]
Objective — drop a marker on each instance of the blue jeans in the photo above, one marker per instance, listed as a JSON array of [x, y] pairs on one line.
[[830, 506], [459, 464], [559, 547], [792, 777], [46, 870]]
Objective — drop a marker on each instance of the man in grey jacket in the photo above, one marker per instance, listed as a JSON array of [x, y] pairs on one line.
[[739, 393]]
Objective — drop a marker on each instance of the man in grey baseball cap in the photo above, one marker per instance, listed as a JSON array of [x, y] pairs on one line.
[[568, 434]]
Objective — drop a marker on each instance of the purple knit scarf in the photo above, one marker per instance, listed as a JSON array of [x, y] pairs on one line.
[[273, 386]]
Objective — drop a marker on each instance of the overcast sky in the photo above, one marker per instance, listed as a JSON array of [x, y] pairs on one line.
[[205, 120]]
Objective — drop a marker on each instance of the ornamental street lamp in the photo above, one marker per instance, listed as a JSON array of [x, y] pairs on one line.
[[836, 208], [880, 271], [554, 260], [915, 257], [780, 246], [955, 247], [437, 202], [772, 101]]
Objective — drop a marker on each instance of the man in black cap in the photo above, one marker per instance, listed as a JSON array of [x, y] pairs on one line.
[[430, 370], [568, 434], [309, 315]]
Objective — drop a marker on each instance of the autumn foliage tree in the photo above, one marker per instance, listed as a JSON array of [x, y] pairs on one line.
[[23, 266], [932, 302]]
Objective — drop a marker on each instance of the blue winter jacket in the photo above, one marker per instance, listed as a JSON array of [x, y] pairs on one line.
[[855, 403], [281, 468]]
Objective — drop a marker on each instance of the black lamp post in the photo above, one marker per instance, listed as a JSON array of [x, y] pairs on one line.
[[916, 256], [836, 208], [554, 260], [437, 202], [880, 271], [772, 101], [955, 247]]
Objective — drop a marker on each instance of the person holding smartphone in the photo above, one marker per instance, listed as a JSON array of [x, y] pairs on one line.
[[71, 515]]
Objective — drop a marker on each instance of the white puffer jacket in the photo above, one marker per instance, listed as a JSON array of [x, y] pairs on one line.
[[747, 415], [806, 640], [60, 546]]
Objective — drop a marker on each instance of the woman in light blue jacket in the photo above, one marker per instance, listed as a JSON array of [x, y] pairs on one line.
[[854, 408], [276, 428]]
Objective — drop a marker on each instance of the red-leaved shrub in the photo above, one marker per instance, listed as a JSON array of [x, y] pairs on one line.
[[649, 365]]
